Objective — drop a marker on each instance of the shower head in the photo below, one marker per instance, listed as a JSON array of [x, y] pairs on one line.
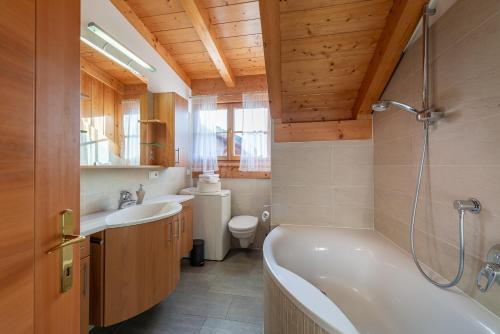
[[385, 104]]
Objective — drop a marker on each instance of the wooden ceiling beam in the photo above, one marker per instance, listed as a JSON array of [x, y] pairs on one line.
[[271, 35], [201, 22], [150, 38], [102, 76], [401, 22], [322, 131]]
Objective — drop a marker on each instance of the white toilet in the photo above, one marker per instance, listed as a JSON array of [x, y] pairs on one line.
[[243, 228]]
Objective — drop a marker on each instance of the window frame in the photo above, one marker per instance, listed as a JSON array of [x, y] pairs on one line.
[[230, 156]]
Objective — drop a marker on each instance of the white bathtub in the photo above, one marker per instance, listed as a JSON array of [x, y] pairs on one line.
[[368, 285]]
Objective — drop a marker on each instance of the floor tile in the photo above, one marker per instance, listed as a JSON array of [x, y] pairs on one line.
[[218, 326], [246, 309], [207, 304], [164, 322]]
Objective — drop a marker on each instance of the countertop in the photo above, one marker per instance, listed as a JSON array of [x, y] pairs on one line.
[[95, 222]]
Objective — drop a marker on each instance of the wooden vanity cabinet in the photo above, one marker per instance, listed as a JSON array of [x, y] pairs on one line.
[[135, 267], [84, 285], [186, 228]]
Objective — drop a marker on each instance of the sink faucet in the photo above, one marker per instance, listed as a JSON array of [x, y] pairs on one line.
[[125, 200]]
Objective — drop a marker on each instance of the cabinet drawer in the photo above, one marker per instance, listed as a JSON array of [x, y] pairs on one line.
[[85, 248]]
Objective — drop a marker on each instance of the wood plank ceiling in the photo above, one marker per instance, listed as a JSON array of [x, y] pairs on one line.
[[236, 24], [335, 56], [326, 47]]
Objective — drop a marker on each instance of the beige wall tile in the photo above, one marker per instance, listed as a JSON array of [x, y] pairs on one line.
[[464, 154], [323, 183]]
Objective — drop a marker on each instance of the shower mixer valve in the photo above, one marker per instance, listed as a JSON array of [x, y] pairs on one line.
[[490, 270]]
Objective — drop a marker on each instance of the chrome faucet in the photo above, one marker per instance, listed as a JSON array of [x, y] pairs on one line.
[[490, 270], [125, 200]]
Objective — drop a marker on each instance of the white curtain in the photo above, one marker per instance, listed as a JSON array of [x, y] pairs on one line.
[[255, 141], [204, 109], [131, 146]]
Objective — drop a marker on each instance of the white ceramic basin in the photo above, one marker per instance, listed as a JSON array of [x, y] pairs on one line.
[[143, 213]]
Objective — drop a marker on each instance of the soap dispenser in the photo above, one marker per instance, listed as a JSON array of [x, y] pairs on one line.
[[140, 194]]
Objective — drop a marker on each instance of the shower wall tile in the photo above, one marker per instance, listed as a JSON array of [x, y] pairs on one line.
[[464, 156], [323, 183]]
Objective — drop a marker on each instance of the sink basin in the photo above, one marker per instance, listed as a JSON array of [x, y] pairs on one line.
[[143, 213]]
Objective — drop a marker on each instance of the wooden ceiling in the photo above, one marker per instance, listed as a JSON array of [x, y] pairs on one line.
[[328, 60], [235, 24]]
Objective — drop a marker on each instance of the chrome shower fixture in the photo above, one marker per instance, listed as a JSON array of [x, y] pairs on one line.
[[386, 104], [428, 115]]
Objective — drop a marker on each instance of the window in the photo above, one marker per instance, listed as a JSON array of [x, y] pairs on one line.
[[230, 130]]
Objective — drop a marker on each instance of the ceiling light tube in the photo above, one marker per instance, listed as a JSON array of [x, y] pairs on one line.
[[110, 56], [108, 38]]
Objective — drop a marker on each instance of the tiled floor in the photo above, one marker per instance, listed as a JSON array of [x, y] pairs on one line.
[[220, 298]]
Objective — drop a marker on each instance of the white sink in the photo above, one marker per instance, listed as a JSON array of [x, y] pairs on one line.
[[143, 213]]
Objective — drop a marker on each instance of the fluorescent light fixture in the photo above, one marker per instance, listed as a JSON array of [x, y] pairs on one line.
[[109, 39], [110, 56]]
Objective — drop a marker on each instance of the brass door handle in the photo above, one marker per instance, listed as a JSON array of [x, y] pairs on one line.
[[68, 239]]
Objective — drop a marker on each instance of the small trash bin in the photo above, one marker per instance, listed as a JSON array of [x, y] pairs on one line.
[[198, 253]]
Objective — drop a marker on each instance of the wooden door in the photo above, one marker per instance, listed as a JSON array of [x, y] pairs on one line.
[[57, 160], [39, 162], [17, 123]]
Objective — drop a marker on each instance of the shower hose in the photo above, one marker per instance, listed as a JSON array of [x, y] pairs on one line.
[[461, 214]]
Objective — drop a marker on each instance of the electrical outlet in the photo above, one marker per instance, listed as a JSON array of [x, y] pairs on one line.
[[154, 174]]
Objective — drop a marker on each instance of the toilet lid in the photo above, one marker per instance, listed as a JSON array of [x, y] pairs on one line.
[[243, 223]]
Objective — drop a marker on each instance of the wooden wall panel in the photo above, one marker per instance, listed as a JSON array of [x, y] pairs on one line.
[[322, 131], [17, 114]]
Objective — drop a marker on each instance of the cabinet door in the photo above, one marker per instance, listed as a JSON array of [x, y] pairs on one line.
[[177, 244], [181, 131], [84, 294], [97, 279], [187, 229]]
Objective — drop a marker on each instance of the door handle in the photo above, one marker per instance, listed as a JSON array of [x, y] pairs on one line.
[[178, 151], [66, 251], [68, 240]]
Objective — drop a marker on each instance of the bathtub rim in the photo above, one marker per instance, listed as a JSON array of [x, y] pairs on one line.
[[339, 323]]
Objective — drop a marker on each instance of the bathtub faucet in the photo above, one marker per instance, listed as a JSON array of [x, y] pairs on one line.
[[490, 269]]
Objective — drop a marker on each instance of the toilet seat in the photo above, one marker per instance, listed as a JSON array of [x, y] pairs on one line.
[[243, 223]]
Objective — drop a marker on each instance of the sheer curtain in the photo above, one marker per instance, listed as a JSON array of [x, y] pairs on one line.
[[205, 133], [255, 141], [131, 146]]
